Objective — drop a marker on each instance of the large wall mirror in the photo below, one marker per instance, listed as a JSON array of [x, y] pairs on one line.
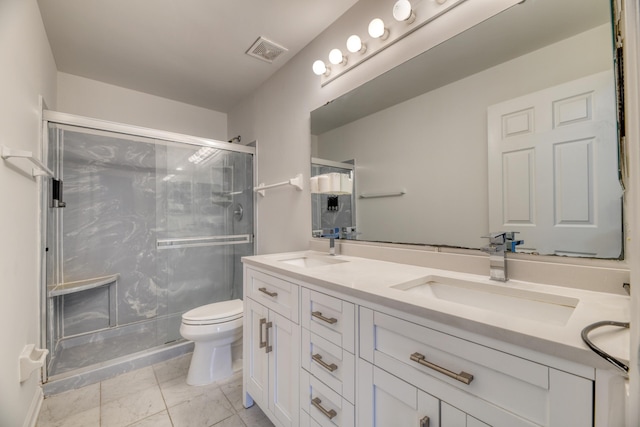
[[509, 126]]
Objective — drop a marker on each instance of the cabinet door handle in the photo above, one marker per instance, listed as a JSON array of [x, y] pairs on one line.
[[318, 359], [462, 376], [265, 291], [263, 342], [266, 341], [317, 403], [424, 421], [318, 315]]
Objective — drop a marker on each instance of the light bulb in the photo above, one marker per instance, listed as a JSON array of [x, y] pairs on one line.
[[320, 68], [354, 44], [377, 29], [402, 11], [336, 57]]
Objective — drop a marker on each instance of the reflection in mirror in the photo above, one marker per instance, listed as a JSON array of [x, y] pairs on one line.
[[332, 203], [424, 128]]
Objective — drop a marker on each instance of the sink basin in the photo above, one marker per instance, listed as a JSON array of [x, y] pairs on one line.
[[501, 299], [315, 261]]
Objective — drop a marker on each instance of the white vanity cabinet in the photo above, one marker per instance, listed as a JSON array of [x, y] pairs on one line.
[[318, 357], [474, 383], [327, 378], [271, 341]]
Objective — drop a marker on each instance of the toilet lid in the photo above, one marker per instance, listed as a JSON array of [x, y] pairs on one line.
[[219, 312]]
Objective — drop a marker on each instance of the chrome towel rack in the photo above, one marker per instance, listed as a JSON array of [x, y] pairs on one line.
[[39, 170], [295, 181]]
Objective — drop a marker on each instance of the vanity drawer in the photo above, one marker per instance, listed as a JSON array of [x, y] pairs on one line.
[[331, 318], [326, 407], [274, 293], [430, 360], [333, 365]]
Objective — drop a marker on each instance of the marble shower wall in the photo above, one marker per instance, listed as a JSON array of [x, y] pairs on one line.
[[121, 196]]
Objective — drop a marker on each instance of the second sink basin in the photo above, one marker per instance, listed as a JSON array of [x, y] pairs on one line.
[[312, 261], [501, 299]]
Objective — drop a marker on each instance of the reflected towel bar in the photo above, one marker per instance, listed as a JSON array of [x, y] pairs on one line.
[[40, 169], [377, 195]]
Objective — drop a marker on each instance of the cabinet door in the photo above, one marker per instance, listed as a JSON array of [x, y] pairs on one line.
[[284, 363], [256, 373], [454, 417], [385, 400]]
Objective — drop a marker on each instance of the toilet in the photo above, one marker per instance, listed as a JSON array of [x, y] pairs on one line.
[[216, 330]]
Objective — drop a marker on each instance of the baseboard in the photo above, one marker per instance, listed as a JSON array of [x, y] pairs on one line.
[[34, 410]]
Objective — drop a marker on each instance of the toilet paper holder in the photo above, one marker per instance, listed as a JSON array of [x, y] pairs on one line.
[[31, 359]]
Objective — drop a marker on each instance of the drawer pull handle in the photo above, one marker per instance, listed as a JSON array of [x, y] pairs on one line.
[[318, 359], [265, 291], [266, 341], [462, 376], [317, 403], [263, 343], [318, 315], [424, 421]]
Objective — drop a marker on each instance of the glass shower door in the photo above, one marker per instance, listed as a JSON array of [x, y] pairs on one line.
[[205, 227], [149, 229]]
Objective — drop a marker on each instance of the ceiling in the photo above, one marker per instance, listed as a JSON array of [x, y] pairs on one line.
[[191, 51]]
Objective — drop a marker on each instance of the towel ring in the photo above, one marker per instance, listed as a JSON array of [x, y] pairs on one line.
[[585, 337]]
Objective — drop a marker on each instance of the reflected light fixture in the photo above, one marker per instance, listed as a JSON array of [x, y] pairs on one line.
[[377, 30], [321, 69], [337, 58], [402, 11], [201, 155], [354, 44]]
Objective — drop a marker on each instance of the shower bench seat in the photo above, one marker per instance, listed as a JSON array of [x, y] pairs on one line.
[[82, 285]]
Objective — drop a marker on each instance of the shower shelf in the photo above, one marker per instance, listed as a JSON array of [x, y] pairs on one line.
[[81, 285]]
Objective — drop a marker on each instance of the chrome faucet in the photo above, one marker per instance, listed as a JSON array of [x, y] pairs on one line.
[[332, 236], [332, 245], [499, 244]]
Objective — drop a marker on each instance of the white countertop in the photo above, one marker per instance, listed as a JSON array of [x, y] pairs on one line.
[[374, 281]]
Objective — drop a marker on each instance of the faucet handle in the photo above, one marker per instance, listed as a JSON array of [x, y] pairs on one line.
[[496, 238]]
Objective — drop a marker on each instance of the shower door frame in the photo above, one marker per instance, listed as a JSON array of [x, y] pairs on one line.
[[55, 117]]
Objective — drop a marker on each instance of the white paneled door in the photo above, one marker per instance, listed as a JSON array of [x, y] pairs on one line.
[[553, 169]]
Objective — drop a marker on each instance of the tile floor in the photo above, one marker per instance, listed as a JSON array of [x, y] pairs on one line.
[[155, 396]]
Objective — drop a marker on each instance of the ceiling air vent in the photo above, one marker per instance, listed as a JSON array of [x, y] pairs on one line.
[[265, 49]]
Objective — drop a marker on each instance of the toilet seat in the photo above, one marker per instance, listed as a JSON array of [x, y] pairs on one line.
[[211, 314]]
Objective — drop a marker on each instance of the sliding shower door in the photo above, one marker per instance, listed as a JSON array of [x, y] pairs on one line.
[[205, 225], [139, 231]]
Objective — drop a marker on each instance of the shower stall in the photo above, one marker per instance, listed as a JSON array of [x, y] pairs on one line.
[[139, 227]]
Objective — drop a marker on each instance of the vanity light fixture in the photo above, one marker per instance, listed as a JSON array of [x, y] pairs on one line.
[[355, 45], [402, 11], [321, 69], [377, 30], [337, 58]]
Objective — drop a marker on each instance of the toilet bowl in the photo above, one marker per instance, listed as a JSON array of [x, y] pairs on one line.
[[215, 329]]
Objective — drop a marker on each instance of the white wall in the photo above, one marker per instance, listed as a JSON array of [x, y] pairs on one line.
[[91, 98], [434, 146], [28, 70]]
